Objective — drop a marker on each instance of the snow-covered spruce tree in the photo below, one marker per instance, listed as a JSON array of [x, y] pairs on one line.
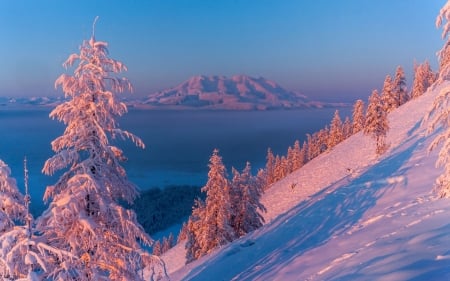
[[246, 202], [377, 124], [424, 77], [438, 116], [419, 83], [25, 255], [85, 216], [336, 135], [297, 160], [194, 232], [157, 249], [167, 243], [347, 128], [400, 90], [216, 227], [12, 206], [182, 236], [443, 20], [388, 98], [358, 116], [270, 169]]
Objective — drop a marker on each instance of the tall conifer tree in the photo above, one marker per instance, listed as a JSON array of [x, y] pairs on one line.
[[377, 124], [358, 116], [85, 216]]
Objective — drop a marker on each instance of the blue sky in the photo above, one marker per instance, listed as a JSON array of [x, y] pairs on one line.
[[333, 50]]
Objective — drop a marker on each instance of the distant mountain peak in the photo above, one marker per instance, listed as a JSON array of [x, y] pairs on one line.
[[221, 92]]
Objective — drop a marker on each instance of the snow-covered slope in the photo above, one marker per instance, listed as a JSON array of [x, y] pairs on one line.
[[351, 216], [239, 92]]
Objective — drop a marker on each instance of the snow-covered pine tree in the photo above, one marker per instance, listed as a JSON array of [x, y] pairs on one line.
[[438, 117], [157, 249], [443, 20], [270, 169], [167, 243], [419, 83], [377, 124], [424, 77], [304, 153], [297, 160], [336, 134], [431, 77], [347, 129], [400, 90], [170, 240], [322, 140], [216, 224], [24, 255], [358, 116], [246, 202], [194, 232], [85, 216], [12, 205], [388, 98], [279, 168], [183, 233]]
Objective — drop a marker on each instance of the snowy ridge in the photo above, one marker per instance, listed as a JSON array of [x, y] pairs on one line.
[[239, 92], [351, 216]]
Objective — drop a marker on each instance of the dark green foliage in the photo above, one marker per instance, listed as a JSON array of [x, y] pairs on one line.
[[157, 208]]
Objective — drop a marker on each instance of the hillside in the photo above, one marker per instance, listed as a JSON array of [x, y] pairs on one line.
[[240, 92], [351, 216]]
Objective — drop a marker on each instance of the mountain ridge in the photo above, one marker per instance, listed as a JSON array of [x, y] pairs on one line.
[[201, 92], [238, 92]]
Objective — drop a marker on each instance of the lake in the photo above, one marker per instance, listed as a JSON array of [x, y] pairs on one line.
[[178, 143]]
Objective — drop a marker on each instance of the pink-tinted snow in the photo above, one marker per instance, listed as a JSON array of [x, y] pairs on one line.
[[351, 216]]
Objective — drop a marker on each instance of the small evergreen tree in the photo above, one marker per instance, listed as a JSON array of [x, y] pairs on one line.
[[23, 254], [270, 168], [297, 157], [376, 122], [167, 243], [182, 236], [157, 249], [194, 232], [423, 78], [400, 90], [388, 98], [358, 116], [347, 129], [336, 134], [246, 202], [12, 206]]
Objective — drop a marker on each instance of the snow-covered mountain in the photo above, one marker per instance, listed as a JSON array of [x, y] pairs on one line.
[[30, 101], [351, 216], [240, 92]]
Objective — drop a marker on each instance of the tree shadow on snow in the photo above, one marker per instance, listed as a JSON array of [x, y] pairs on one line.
[[328, 213]]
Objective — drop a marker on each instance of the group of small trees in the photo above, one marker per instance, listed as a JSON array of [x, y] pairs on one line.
[[371, 121], [230, 210], [167, 243], [86, 233]]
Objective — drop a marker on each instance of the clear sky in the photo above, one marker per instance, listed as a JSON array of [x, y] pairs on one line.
[[333, 49]]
